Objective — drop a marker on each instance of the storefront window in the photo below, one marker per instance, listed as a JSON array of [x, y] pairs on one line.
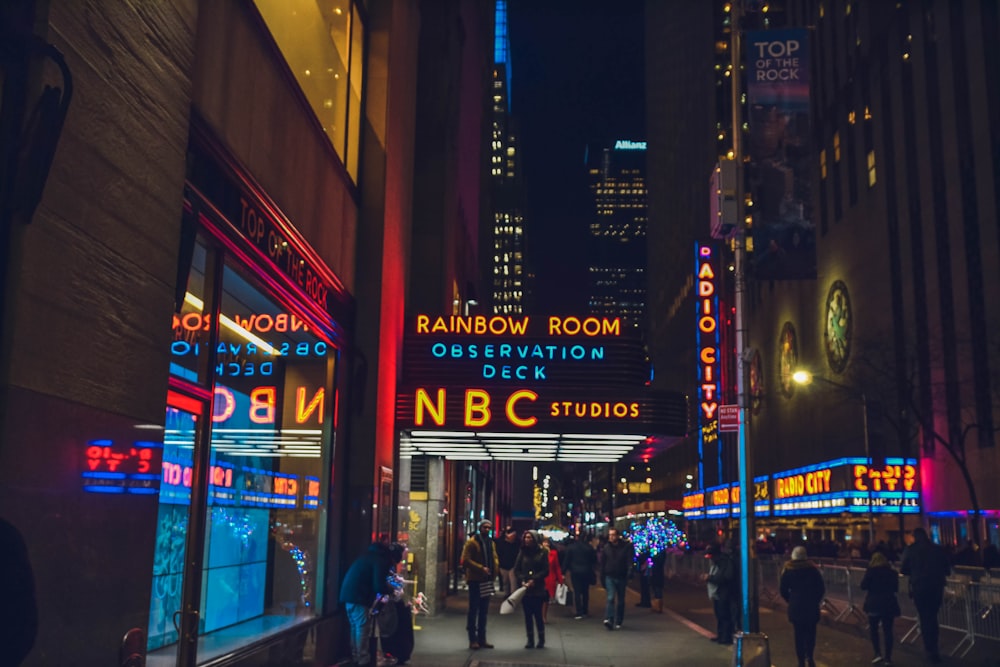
[[322, 42], [269, 432]]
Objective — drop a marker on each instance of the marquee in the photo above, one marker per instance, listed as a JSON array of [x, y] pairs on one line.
[[530, 387]]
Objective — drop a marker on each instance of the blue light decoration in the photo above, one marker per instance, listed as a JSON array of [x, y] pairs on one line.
[[301, 558], [655, 535]]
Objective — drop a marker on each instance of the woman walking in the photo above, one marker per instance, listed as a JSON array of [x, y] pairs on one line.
[[531, 568], [881, 604], [554, 578], [803, 589]]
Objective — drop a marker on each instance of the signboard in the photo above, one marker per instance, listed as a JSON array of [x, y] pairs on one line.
[[531, 374], [843, 486], [729, 418], [781, 154]]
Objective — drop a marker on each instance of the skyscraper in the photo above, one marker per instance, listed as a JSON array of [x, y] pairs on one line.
[[506, 246], [617, 259]]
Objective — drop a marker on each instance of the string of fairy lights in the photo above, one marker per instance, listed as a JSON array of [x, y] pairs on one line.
[[655, 535]]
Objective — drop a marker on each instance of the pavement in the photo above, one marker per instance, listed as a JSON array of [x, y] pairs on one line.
[[678, 636]]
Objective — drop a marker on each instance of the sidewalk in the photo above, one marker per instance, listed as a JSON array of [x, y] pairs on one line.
[[679, 636]]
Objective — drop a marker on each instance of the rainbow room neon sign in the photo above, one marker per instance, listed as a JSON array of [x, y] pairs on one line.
[[521, 373]]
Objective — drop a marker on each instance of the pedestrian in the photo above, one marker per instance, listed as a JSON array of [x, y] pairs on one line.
[[617, 558], [719, 583], [644, 563], [366, 584], [479, 559], [656, 579], [531, 569], [507, 549], [19, 626], [554, 577], [803, 589], [881, 604], [581, 558], [926, 565]]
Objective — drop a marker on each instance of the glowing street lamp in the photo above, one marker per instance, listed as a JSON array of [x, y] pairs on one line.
[[804, 377]]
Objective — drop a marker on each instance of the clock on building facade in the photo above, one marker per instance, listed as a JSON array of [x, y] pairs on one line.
[[788, 358], [837, 331]]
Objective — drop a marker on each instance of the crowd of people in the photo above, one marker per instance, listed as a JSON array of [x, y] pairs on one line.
[[529, 568]]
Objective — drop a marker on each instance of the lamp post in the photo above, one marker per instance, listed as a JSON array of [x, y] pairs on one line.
[[805, 377], [749, 619]]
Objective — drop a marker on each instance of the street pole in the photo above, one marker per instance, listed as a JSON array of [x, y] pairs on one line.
[[748, 588], [868, 455]]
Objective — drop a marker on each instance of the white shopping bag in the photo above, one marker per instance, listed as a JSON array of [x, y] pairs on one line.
[[510, 604], [562, 593]]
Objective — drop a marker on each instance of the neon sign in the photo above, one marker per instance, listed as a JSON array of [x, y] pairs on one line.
[[626, 145], [708, 337], [506, 325], [125, 467]]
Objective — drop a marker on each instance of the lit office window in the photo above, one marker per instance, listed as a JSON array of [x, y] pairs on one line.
[[323, 44]]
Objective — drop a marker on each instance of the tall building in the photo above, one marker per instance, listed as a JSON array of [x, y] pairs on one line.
[[889, 164], [211, 228], [617, 242], [505, 252]]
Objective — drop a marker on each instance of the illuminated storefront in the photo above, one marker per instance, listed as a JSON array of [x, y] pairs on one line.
[[250, 421], [848, 488]]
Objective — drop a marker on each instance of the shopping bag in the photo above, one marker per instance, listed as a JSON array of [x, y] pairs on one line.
[[562, 593], [510, 604]]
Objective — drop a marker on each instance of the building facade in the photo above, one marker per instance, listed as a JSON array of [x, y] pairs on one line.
[[895, 178], [243, 199]]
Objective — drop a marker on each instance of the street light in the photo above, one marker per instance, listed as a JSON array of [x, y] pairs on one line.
[[804, 377]]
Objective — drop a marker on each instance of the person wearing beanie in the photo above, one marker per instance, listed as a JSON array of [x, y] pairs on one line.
[[531, 569], [479, 560], [803, 589], [881, 605]]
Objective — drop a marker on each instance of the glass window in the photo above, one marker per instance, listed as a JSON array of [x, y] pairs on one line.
[[323, 44], [270, 422]]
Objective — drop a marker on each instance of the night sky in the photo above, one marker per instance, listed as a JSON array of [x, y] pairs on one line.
[[577, 79]]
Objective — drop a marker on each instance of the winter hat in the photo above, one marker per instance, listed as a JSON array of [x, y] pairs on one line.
[[799, 553]]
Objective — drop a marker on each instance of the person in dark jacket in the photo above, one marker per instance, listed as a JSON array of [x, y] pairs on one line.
[[720, 582], [803, 589], [656, 579], [481, 564], [881, 605], [926, 564], [617, 560], [581, 558], [531, 569], [19, 627], [366, 581], [507, 549]]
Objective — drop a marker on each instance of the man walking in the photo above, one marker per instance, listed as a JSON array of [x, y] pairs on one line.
[[719, 582], [479, 559], [581, 558], [616, 566], [926, 564], [507, 549]]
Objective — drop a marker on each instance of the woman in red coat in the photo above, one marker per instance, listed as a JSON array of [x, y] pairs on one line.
[[555, 576]]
